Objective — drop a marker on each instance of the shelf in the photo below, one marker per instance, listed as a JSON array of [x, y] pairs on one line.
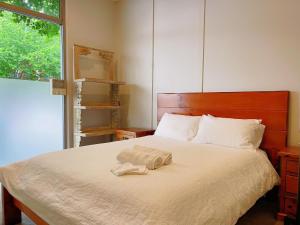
[[96, 106], [94, 132], [109, 99], [95, 80]]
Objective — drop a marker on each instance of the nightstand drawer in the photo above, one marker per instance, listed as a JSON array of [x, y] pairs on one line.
[[291, 185], [290, 206], [292, 166], [289, 159]]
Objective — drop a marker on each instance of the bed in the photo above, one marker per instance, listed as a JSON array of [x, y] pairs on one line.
[[206, 184]]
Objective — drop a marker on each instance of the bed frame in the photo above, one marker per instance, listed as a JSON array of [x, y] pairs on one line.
[[272, 107]]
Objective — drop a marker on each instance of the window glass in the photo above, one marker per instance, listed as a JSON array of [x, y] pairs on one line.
[[31, 120], [30, 49]]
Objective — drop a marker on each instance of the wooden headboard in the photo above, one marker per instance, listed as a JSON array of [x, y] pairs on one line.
[[270, 106]]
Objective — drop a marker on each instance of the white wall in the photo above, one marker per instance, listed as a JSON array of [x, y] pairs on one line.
[[254, 45], [134, 33], [249, 45], [178, 32], [178, 47], [88, 23]]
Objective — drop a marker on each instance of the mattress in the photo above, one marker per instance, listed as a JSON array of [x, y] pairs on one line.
[[205, 185]]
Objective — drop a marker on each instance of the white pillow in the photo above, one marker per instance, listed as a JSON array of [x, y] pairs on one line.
[[256, 121], [178, 127], [237, 133]]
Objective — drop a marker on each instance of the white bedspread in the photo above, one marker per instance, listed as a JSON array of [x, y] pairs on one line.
[[205, 185]]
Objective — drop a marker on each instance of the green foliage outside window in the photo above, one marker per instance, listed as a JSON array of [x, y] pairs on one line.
[[29, 48], [49, 7]]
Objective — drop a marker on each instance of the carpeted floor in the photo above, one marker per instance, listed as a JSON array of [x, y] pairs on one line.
[[263, 213]]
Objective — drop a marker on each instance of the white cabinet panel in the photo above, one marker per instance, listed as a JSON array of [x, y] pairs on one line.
[[135, 46], [178, 46], [254, 45]]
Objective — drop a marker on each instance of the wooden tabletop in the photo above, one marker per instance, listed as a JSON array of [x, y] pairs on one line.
[[134, 129]]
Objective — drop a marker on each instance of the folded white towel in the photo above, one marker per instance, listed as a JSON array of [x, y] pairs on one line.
[[129, 169], [140, 155]]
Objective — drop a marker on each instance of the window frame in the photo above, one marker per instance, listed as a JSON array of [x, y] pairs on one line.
[[31, 13]]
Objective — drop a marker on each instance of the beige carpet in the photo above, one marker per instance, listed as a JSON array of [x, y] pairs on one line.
[[263, 213]]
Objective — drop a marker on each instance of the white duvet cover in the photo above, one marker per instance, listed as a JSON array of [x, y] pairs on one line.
[[205, 185]]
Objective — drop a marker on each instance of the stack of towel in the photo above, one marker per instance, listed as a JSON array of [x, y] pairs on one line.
[[140, 159]]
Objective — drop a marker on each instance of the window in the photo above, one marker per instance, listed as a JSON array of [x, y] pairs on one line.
[[31, 40]]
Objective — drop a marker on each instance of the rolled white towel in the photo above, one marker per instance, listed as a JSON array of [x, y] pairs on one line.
[[137, 157], [141, 155], [166, 156], [129, 169]]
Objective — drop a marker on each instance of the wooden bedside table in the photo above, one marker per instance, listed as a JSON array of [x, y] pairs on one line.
[[289, 173], [128, 133]]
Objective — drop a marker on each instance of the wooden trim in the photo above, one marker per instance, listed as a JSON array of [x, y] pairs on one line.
[[62, 11], [12, 209], [95, 131], [10, 213], [28, 212], [256, 100], [31, 13], [92, 49], [96, 80]]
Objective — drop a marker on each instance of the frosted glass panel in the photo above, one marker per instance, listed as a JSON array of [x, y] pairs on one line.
[[31, 120]]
